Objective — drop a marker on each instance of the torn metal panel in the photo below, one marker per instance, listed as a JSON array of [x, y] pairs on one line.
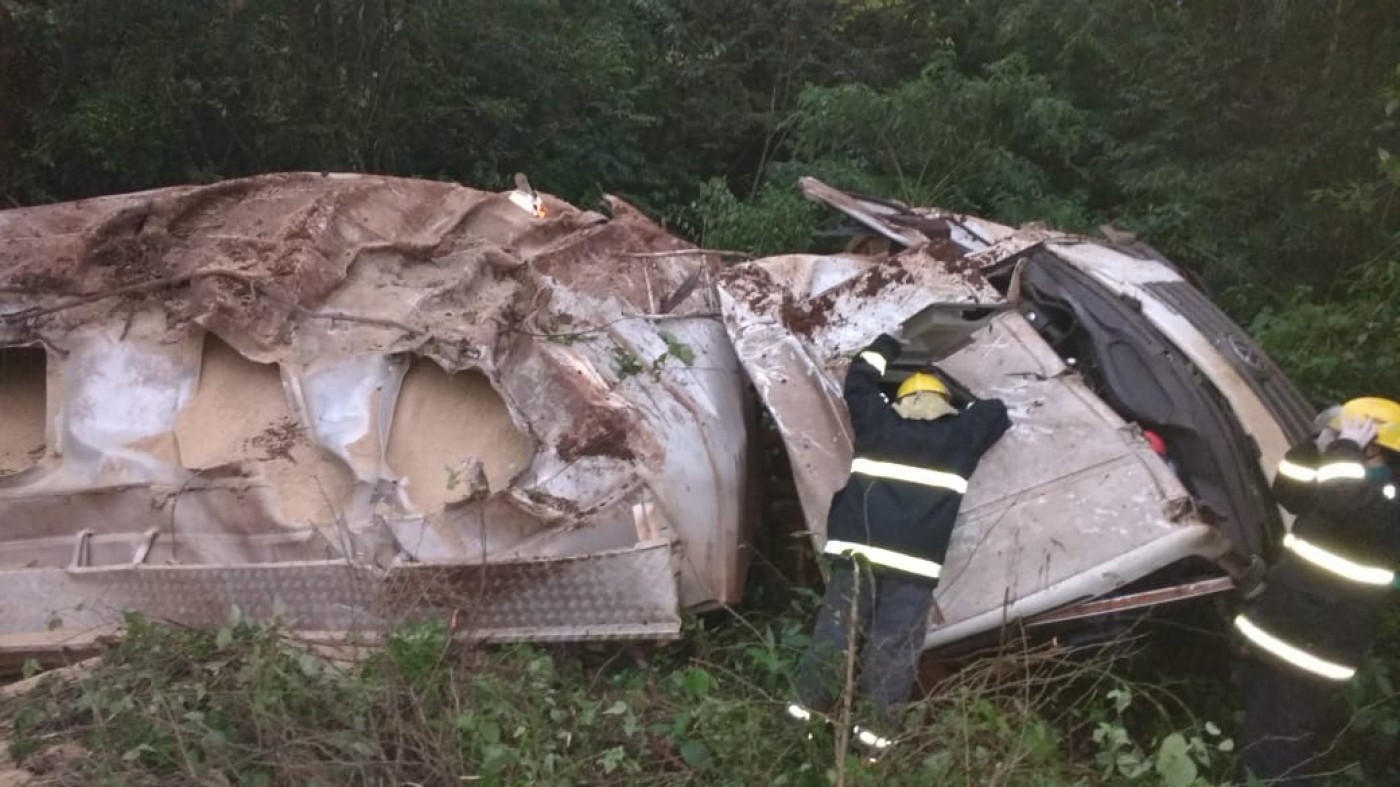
[[1069, 495], [794, 339], [290, 369], [1072, 504]]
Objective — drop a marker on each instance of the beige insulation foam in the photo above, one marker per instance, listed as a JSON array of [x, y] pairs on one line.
[[444, 421], [239, 414]]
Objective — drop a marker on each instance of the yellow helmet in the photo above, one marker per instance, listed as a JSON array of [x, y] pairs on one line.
[[919, 382], [1384, 412]]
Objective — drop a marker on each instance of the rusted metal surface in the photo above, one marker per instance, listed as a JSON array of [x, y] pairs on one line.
[[1132, 601]]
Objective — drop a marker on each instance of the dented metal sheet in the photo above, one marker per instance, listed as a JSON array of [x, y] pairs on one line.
[[793, 318], [276, 376], [344, 399], [1072, 504]]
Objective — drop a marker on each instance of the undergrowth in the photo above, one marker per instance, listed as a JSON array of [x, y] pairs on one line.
[[250, 704]]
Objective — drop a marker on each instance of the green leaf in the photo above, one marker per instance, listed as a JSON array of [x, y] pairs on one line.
[[612, 758], [695, 754], [1174, 763], [1122, 698], [134, 754], [678, 349], [698, 682], [309, 664], [616, 709], [224, 638]]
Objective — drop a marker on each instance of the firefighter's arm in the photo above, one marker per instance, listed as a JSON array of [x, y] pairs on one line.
[[868, 407], [1342, 488], [984, 422], [1295, 480]]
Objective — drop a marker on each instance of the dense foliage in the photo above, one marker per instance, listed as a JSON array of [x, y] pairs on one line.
[[249, 705]]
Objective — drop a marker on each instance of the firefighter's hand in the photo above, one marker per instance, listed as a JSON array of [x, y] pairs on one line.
[[1324, 438], [886, 345], [1358, 429], [1326, 417]]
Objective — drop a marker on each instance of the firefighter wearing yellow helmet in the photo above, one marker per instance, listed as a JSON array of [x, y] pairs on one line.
[[888, 532], [1310, 626], [919, 382]]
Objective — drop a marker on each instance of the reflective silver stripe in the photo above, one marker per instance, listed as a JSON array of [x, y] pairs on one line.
[[1389, 491], [1296, 657], [874, 359], [910, 473], [798, 712], [886, 557], [871, 739], [1331, 561], [1297, 472], [1350, 470]]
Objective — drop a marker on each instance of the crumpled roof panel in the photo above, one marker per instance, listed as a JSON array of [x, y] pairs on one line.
[[380, 371]]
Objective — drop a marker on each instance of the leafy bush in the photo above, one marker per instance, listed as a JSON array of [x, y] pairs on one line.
[[249, 704], [776, 221], [1005, 143], [1340, 348]]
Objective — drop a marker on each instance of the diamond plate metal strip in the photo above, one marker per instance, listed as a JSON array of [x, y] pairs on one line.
[[620, 594]]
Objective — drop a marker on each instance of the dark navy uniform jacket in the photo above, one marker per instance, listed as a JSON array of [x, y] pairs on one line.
[[908, 476], [1320, 601]]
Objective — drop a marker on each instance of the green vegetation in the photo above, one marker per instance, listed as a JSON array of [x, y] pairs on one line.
[[1241, 139], [250, 705]]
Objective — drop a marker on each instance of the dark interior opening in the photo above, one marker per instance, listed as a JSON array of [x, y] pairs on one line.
[[23, 408]]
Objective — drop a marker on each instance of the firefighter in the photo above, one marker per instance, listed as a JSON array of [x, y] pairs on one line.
[[888, 530], [1310, 626]]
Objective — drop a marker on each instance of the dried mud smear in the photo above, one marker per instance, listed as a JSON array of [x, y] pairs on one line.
[[955, 262], [602, 432]]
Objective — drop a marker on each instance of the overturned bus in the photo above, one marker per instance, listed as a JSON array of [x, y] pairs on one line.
[[339, 400]]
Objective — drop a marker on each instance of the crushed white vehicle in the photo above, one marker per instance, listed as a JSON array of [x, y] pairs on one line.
[[341, 400], [345, 399], [1092, 345]]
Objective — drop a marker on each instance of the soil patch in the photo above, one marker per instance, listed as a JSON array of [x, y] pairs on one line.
[[602, 432]]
